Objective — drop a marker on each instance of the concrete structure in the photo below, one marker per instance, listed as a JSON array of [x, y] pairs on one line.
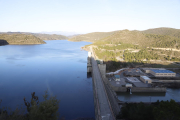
[[129, 85], [136, 82], [145, 79], [102, 67], [89, 66], [117, 77], [89, 54], [99, 61], [162, 73], [132, 79], [103, 110]]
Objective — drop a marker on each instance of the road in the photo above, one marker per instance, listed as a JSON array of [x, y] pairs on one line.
[[101, 95]]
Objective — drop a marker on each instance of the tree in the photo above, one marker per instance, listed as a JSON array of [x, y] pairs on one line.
[[45, 110], [167, 110]]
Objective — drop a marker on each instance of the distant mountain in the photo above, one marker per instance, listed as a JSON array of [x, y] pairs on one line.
[[61, 33], [51, 37], [91, 37], [15, 33], [19, 39], [40, 35], [164, 31]]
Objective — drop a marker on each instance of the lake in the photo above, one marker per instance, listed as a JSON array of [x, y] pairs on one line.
[[60, 66]]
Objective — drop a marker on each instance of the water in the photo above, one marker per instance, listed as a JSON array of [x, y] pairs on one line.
[[150, 97], [59, 66]]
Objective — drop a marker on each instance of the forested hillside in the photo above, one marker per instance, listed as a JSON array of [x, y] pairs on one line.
[[138, 48], [20, 39], [141, 39], [51, 37], [39, 35], [164, 31], [91, 37]]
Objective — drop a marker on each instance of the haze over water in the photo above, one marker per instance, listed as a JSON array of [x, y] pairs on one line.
[[59, 66]]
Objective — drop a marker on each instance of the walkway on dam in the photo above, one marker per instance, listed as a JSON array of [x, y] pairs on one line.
[[104, 111]]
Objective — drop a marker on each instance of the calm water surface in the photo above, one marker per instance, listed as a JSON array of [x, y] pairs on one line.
[[59, 66], [150, 97]]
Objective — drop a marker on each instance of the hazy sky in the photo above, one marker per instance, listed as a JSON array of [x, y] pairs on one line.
[[87, 15]]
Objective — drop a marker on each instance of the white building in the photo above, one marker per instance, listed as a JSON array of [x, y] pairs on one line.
[[145, 79], [89, 54]]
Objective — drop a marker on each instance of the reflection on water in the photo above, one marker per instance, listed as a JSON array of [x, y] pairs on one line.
[[59, 66], [150, 97]]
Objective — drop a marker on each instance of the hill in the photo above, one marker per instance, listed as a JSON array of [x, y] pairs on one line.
[[164, 31], [91, 37], [50, 37], [40, 36], [136, 48], [19, 39], [141, 39]]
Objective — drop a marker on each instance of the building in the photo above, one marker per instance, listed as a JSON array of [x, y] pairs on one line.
[[117, 77], [162, 73], [145, 79], [128, 85], [147, 70]]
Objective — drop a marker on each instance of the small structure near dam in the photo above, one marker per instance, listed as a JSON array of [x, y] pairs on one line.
[[89, 65]]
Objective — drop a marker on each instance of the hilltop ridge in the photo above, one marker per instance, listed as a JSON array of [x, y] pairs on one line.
[[164, 31], [50, 36], [91, 37]]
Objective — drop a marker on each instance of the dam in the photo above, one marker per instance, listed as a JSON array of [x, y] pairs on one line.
[[104, 110]]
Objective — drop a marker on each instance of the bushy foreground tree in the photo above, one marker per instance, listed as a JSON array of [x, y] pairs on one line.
[[45, 110]]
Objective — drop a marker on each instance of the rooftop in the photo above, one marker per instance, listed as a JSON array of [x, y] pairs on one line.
[[153, 69], [117, 76], [162, 71], [145, 77]]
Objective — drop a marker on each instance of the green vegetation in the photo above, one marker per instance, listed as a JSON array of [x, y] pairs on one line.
[[140, 56], [138, 48], [164, 31], [141, 39], [20, 39], [120, 46], [164, 110], [45, 110], [27, 38], [105, 55], [91, 37], [50, 37]]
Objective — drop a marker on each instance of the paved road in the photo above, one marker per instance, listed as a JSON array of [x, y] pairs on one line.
[[104, 105]]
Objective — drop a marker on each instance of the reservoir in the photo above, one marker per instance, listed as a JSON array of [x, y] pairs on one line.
[[60, 66]]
